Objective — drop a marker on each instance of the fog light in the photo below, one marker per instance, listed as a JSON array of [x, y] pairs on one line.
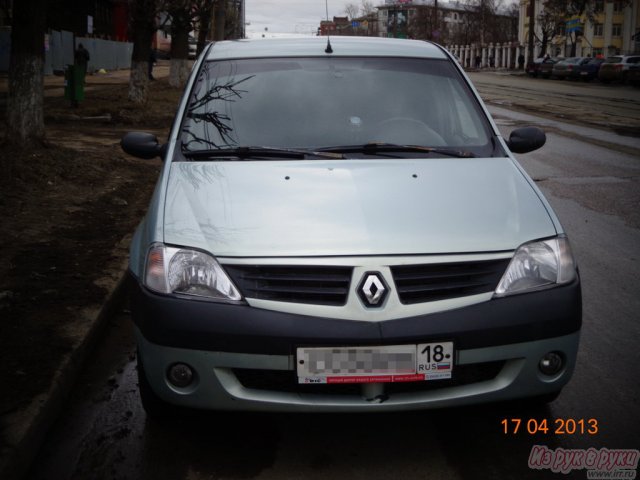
[[180, 375], [551, 363]]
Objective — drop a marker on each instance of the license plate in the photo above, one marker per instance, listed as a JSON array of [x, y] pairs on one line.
[[380, 364], [583, 73]]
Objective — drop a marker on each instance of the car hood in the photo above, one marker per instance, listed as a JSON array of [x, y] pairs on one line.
[[352, 207]]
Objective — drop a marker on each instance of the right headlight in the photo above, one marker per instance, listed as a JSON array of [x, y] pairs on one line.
[[537, 265], [188, 272]]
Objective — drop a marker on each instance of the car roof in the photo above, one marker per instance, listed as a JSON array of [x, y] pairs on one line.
[[315, 47], [622, 58]]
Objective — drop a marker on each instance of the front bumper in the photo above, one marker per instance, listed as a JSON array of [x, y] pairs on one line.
[[222, 382], [244, 356]]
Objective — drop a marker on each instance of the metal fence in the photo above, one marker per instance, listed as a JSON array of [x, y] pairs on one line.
[[58, 51], [60, 47], [107, 54]]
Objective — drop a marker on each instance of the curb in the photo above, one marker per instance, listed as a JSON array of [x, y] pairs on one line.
[[25, 430]]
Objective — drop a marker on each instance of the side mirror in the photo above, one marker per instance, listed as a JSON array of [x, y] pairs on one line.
[[526, 139], [142, 145]]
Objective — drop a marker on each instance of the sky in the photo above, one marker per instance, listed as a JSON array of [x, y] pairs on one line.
[[290, 16]]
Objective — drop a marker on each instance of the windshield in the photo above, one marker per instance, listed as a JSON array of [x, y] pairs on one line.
[[320, 103]]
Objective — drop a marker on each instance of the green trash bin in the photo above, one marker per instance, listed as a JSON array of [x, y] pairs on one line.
[[74, 84]]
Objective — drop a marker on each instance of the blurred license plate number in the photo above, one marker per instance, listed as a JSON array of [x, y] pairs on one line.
[[384, 364]]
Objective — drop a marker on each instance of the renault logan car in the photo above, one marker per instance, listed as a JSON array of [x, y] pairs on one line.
[[339, 226]]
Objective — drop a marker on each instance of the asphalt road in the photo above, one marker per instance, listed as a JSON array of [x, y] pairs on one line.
[[591, 179], [613, 106]]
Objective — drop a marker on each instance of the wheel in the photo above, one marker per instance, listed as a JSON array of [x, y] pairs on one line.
[[406, 131], [152, 404]]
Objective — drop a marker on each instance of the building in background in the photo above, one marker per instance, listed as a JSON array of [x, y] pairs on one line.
[[363, 26], [442, 22], [605, 28]]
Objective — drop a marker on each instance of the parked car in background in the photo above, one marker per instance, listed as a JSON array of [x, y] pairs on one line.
[[616, 68], [538, 65], [316, 244], [589, 70], [564, 68], [546, 67], [633, 75], [533, 68]]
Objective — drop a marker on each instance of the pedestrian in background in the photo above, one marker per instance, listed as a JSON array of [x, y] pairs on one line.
[[478, 61], [152, 61], [81, 59], [520, 62]]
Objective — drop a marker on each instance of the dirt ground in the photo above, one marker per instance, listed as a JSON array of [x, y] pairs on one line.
[[65, 212]]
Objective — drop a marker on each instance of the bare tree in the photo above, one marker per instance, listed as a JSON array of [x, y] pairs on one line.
[[513, 13], [471, 25], [180, 12], [220, 18], [483, 24], [203, 13], [143, 26], [352, 10], [367, 8], [424, 23], [25, 117], [232, 22], [549, 22]]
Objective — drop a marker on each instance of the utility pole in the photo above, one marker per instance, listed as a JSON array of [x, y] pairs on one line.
[[532, 8]]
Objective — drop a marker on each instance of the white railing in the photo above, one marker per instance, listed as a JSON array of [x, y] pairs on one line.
[[496, 56]]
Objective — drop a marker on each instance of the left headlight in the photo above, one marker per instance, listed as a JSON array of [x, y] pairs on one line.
[[537, 265], [188, 272]]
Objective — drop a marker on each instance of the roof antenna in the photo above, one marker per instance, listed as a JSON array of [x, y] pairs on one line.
[[328, 49]]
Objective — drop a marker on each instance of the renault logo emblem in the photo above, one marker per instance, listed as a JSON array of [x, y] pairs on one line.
[[372, 289]]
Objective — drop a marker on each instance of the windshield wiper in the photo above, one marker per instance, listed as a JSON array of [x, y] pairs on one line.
[[252, 153], [375, 148]]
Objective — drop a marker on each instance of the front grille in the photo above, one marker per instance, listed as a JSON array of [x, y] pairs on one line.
[[287, 381], [440, 281], [318, 285]]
